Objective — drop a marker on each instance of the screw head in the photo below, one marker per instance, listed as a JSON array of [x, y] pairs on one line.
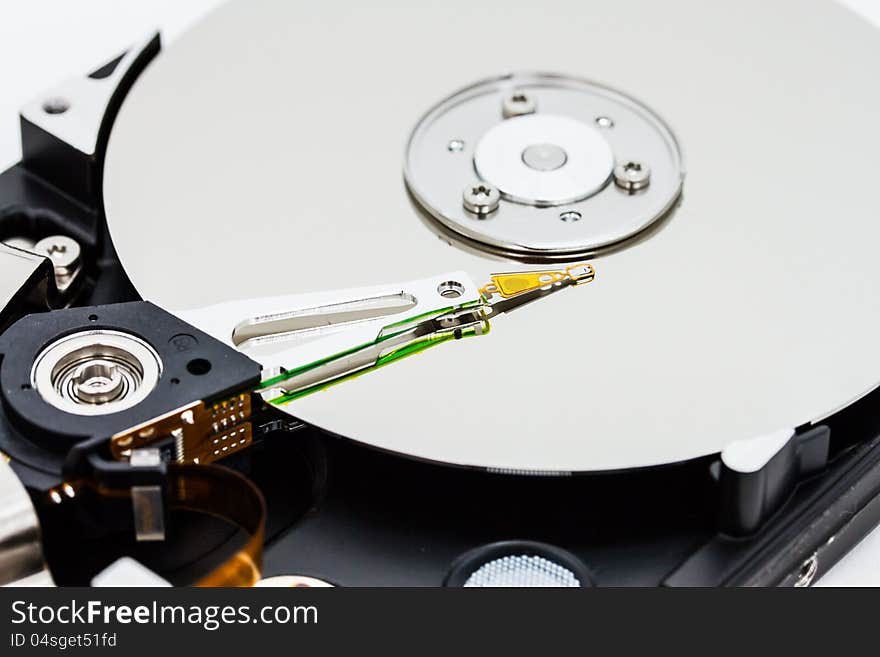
[[518, 103], [570, 216], [455, 145], [97, 382], [632, 175], [604, 122], [63, 251], [481, 198]]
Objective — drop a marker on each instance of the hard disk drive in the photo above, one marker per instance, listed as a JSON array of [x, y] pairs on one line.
[[457, 294]]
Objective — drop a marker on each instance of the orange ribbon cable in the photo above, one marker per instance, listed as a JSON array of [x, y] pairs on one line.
[[229, 496]]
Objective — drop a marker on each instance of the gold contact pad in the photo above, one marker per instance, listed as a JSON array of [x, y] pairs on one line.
[[202, 433]]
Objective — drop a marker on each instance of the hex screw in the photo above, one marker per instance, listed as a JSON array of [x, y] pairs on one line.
[[518, 103], [481, 198], [632, 175], [63, 251]]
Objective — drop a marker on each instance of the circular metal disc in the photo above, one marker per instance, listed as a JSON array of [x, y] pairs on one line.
[[568, 124], [522, 156], [262, 154]]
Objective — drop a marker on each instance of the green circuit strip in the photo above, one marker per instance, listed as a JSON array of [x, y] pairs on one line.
[[389, 331], [410, 349]]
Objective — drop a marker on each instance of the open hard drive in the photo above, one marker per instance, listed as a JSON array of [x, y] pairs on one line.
[[455, 294]]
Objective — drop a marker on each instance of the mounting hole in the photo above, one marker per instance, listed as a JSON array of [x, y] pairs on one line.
[[93, 318], [56, 105], [570, 216], [25, 386], [175, 381], [198, 366], [450, 290]]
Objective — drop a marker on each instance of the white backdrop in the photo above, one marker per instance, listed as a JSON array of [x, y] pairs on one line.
[[44, 41]]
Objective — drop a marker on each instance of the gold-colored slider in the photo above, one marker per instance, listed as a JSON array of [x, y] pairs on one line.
[[515, 283]]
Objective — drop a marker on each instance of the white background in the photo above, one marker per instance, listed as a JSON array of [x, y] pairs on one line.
[[45, 41]]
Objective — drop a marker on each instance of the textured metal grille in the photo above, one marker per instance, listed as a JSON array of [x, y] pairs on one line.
[[522, 571]]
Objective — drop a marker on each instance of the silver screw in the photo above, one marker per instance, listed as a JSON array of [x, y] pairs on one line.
[[604, 122], [570, 216], [632, 175], [65, 254], [481, 198], [97, 382], [518, 103], [455, 146], [63, 251]]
